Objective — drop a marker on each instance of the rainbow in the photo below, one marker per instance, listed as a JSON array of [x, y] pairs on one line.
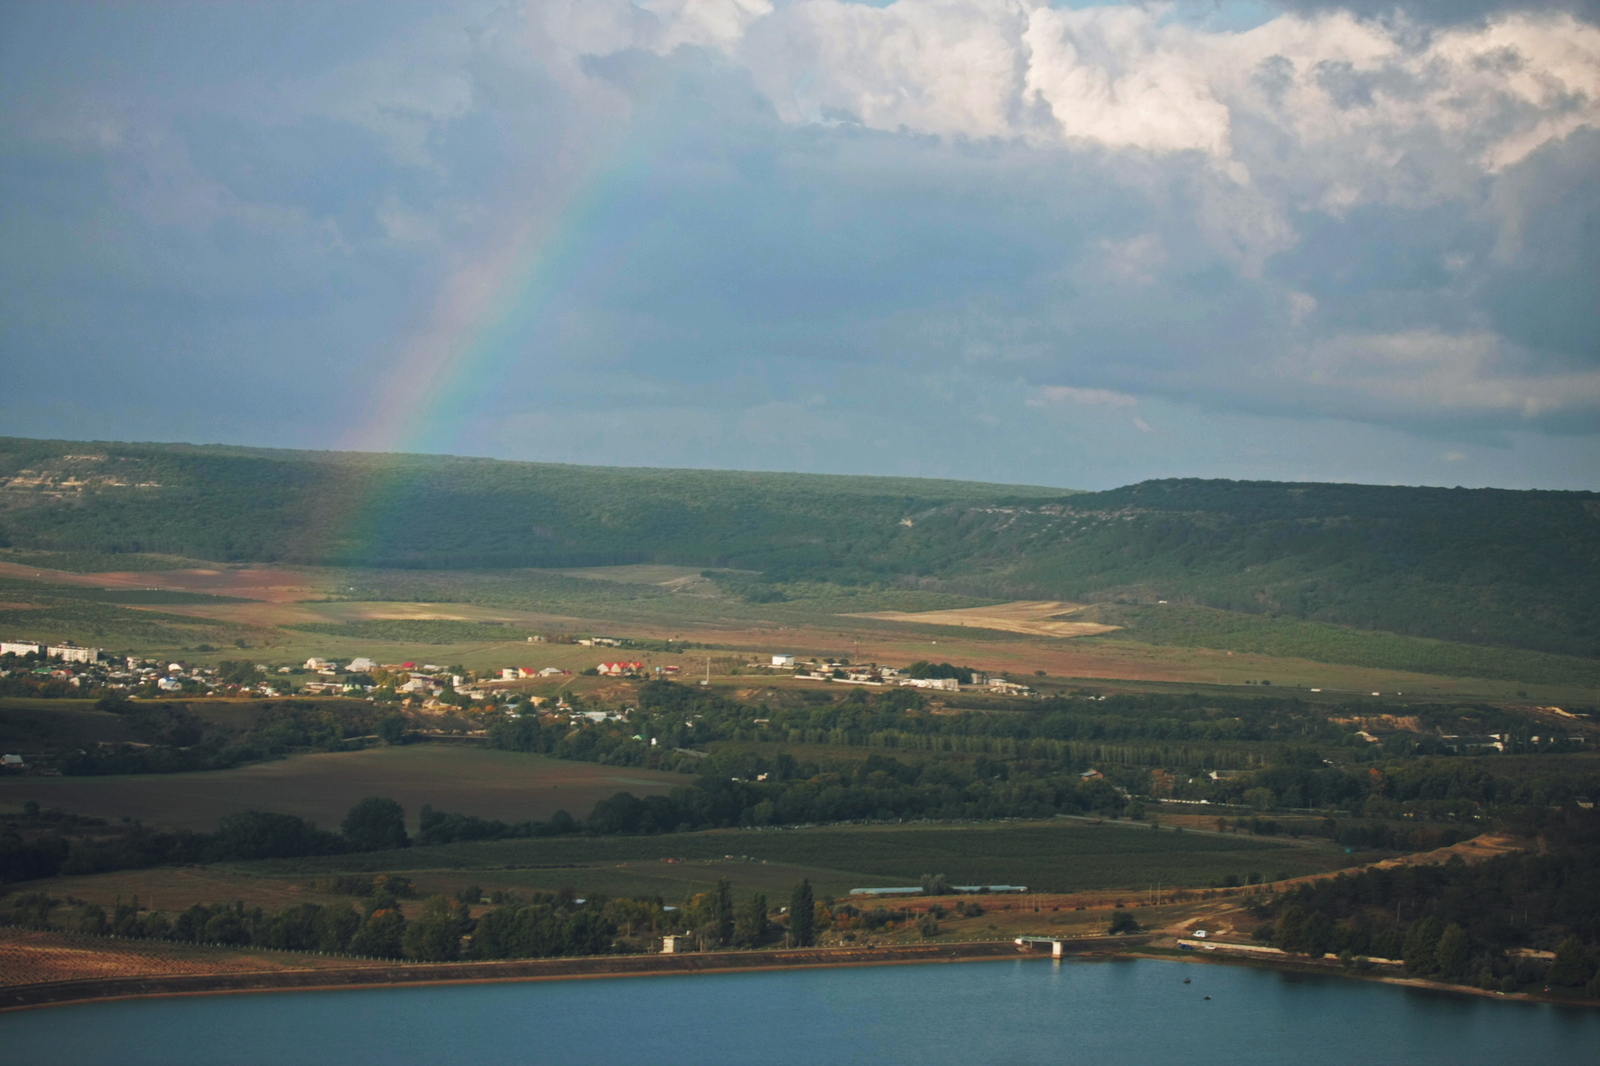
[[476, 336]]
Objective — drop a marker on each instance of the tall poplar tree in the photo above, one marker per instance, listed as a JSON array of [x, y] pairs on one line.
[[802, 914], [722, 910]]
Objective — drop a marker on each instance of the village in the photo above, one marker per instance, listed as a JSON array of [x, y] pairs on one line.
[[78, 666]]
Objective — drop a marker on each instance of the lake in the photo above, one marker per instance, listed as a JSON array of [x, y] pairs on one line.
[[1103, 1013]]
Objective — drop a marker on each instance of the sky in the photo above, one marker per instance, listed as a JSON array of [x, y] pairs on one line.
[[1005, 240]]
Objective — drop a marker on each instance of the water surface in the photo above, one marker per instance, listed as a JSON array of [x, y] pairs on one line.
[[1104, 1013]]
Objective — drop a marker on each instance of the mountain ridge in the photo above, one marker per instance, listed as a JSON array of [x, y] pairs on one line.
[[1492, 566]]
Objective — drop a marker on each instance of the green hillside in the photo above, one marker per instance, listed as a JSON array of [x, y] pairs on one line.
[[415, 511], [1489, 566], [1482, 566]]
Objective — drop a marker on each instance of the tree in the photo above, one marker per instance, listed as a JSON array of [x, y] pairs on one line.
[[376, 824], [392, 728], [265, 835], [1123, 922], [802, 914], [750, 923], [935, 885], [1316, 936], [1289, 930], [1454, 952], [381, 935], [1570, 968], [1422, 944], [435, 935], [722, 910]]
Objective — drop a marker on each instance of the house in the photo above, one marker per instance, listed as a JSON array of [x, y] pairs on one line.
[[12, 762], [676, 944], [783, 660], [619, 668], [947, 684], [362, 665], [1092, 774], [511, 673], [73, 654]]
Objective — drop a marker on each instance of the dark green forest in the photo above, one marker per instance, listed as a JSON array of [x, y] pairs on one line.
[[1482, 566], [1476, 924]]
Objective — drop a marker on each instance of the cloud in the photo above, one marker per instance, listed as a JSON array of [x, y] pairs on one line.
[[1089, 397], [1446, 12], [1427, 371], [1021, 224], [1135, 259]]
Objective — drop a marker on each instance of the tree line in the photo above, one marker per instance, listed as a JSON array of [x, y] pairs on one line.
[[1467, 923], [41, 843], [444, 928]]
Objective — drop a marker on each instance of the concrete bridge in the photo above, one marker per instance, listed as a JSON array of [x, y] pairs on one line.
[[1066, 945]]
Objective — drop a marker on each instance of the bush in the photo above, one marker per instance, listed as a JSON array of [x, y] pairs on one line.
[[1123, 922]]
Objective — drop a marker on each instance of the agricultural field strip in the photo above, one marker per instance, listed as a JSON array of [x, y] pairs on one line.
[[512, 786], [1046, 856], [546, 590], [1041, 618]]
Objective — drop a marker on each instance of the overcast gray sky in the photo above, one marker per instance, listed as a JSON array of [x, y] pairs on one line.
[[996, 239]]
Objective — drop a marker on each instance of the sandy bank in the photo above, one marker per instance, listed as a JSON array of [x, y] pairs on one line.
[[326, 979]]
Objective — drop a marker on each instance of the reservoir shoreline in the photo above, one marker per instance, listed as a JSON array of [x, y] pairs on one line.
[[92, 990], [61, 993]]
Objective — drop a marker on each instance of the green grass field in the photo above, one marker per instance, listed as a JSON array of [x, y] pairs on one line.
[[1204, 627], [1054, 856], [469, 778]]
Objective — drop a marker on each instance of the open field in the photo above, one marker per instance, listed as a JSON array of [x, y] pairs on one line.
[[1094, 865], [56, 725], [482, 619], [1036, 618], [29, 957], [255, 583], [323, 787], [1058, 855], [641, 574]]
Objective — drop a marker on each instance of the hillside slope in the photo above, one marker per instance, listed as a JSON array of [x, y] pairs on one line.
[[1520, 569]]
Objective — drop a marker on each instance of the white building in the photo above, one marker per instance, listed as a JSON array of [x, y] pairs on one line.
[[948, 684], [73, 654], [362, 665], [315, 663], [20, 647], [783, 660]]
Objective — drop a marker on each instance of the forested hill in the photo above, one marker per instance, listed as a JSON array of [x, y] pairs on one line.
[[1487, 566], [1481, 565], [358, 509]]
